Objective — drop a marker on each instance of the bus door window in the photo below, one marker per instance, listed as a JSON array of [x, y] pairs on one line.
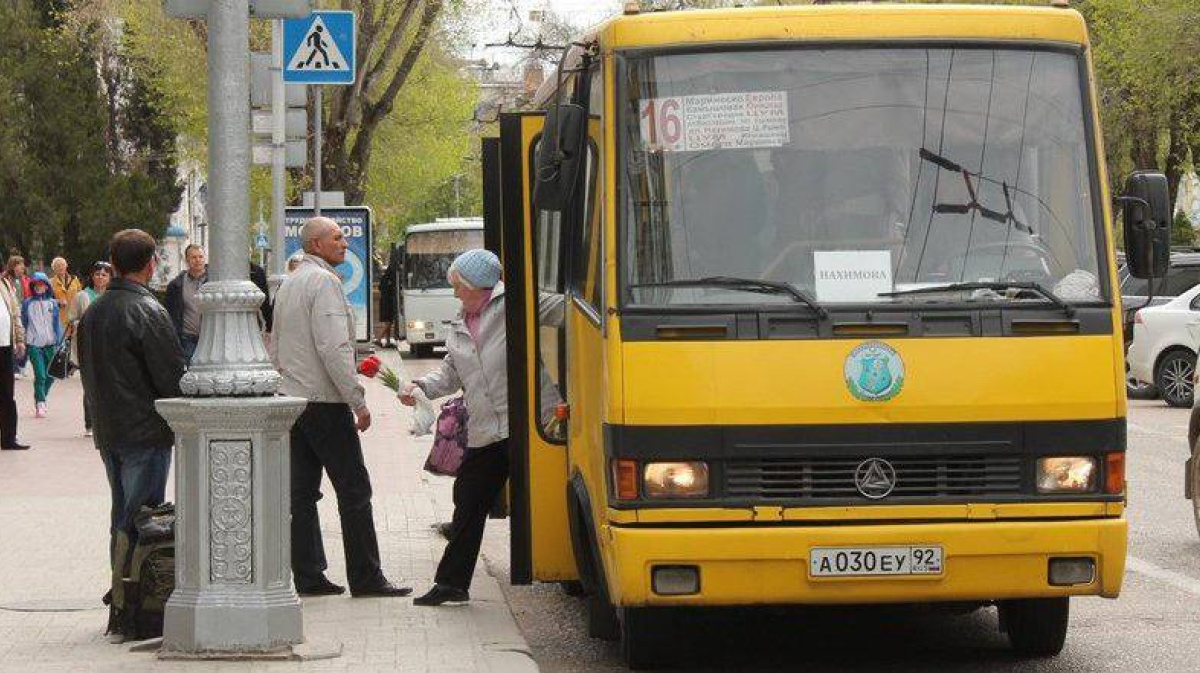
[[548, 257]]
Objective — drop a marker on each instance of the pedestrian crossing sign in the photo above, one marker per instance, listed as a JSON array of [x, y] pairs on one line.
[[319, 49]]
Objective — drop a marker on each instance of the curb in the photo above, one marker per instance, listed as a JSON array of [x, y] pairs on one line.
[[503, 648]]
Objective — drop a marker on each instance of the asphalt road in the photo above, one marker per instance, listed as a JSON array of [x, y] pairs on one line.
[[1153, 626]]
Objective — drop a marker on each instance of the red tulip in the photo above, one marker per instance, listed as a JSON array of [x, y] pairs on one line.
[[369, 367]]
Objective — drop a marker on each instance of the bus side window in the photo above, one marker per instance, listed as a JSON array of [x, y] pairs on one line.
[[587, 270]]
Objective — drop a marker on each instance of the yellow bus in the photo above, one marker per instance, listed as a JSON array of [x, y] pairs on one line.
[[841, 318]]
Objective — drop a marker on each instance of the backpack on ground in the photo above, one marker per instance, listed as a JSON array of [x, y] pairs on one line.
[[144, 577]]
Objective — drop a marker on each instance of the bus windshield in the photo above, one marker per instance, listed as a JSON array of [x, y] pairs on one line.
[[853, 173], [428, 255]]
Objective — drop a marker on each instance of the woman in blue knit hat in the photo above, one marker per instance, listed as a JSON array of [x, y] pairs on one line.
[[475, 362]]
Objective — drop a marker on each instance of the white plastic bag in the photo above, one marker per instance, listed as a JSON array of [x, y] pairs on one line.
[[423, 415]]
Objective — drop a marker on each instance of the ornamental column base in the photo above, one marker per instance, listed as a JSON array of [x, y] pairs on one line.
[[233, 572]]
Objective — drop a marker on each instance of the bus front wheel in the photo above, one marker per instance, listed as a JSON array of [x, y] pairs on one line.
[[644, 637], [1036, 627]]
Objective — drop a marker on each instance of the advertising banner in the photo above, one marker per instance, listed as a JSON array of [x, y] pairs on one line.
[[356, 270]]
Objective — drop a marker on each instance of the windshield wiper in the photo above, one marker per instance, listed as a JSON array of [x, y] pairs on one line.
[[745, 284], [996, 286]]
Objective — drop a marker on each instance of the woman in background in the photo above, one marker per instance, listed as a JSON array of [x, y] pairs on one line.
[[98, 282], [43, 334]]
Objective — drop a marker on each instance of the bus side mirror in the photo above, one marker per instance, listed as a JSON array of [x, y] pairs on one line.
[[559, 156], [1147, 223]]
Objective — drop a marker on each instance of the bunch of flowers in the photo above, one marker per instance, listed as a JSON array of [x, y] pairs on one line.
[[372, 366]]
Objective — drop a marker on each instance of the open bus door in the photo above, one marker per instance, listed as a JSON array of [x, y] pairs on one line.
[[541, 541]]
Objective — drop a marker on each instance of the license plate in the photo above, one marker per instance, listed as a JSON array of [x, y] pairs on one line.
[[875, 561], [429, 336]]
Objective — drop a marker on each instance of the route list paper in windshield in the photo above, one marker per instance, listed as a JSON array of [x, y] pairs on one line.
[[852, 276], [718, 121]]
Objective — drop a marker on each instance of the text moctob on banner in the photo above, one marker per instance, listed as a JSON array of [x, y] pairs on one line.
[[719, 121]]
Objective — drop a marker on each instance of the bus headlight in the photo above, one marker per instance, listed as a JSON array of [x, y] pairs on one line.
[[1066, 474], [417, 324], [675, 480]]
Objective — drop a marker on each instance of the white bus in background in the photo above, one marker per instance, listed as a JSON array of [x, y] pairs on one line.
[[428, 303]]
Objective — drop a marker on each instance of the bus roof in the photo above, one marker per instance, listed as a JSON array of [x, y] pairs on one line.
[[446, 224], [869, 21]]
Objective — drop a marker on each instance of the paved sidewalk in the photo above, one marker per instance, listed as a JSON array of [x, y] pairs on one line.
[[53, 544]]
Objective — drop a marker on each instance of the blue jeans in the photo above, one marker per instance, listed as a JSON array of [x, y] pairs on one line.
[[136, 478], [189, 343]]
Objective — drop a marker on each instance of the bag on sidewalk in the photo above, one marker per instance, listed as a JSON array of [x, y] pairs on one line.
[[61, 366], [143, 577], [449, 440]]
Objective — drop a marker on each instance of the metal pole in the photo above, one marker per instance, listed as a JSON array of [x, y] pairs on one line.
[[279, 158], [317, 168], [229, 138], [232, 590]]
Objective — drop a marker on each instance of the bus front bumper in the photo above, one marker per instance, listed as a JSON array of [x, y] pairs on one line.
[[753, 565]]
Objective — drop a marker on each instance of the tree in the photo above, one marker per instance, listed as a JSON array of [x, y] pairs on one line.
[[392, 36], [89, 158], [423, 145]]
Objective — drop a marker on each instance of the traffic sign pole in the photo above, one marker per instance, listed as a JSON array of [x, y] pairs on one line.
[[320, 50], [317, 160], [279, 158]]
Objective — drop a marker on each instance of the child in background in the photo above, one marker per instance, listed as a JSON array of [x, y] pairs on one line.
[[43, 333]]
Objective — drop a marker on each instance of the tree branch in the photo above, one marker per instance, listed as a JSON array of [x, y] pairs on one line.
[[395, 40], [374, 113]]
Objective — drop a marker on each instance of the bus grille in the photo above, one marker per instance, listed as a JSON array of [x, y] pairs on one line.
[[916, 477]]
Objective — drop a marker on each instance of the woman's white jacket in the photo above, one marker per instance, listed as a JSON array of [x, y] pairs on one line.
[[482, 372]]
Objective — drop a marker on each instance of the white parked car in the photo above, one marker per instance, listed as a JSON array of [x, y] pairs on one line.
[[1163, 351]]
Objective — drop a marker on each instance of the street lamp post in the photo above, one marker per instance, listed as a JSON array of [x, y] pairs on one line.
[[233, 590]]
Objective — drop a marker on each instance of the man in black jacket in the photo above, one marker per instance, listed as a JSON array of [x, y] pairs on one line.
[[181, 299], [129, 357]]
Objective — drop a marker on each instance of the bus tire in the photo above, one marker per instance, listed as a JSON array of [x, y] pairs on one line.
[[645, 642], [1037, 627], [602, 617]]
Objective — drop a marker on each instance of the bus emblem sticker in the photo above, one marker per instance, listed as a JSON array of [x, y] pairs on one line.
[[874, 372], [875, 478]]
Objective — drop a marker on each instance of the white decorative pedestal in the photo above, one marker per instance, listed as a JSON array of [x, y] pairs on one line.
[[233, 541]]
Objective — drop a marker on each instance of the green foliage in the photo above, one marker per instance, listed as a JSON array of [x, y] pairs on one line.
[[83, 156], [421, 146], [1182, 233]]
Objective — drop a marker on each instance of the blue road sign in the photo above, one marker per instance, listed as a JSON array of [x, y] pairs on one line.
[[320, 48], [356, 271], [261, 242]]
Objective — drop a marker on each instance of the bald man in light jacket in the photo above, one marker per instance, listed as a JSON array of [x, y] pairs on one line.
[[312, 346]]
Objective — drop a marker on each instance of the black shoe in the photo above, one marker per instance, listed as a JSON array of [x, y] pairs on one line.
[[385, 590], [325, 588], [439, 594], [15, 446]]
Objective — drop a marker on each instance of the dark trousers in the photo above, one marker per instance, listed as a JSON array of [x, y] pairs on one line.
[[188, 342], [479, 482], [135, 479], [8, 405], [324, 437]]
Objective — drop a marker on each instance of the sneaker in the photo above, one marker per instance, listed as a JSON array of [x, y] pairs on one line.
[[40, 410]]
